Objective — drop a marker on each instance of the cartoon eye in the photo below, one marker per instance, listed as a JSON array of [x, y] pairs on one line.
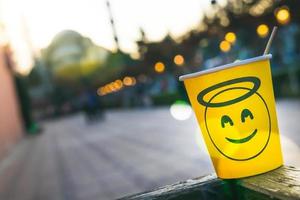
[[246, 113], [226, 119]]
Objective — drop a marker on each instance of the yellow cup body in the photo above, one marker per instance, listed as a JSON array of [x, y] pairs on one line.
[[235, 109]]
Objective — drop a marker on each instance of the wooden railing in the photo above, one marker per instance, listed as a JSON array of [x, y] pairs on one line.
[[282, 183]]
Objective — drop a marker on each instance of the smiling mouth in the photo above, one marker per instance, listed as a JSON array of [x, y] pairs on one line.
[[246, 139]]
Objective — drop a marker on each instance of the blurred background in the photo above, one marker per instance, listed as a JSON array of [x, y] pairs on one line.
[[90, 102]]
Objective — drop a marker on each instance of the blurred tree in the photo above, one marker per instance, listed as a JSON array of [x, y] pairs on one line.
[[72, 56]]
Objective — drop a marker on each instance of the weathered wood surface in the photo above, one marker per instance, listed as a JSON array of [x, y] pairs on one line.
[[203, 186], [282, 183]]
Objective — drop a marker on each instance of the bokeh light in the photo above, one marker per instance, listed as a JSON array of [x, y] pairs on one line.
[[133, 81], [119, 84], [112, 87], [127, 81], [178, 60], [262, 30], [101, 91], [159, 67], [180, 110], [116, 86], [282, 15], [108, 89], [230, 37], [225, 46]]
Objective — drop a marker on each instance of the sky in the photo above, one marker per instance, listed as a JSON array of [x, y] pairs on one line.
[[32, 24]]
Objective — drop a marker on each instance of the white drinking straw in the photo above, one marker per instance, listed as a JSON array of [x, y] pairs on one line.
[[270, 40]]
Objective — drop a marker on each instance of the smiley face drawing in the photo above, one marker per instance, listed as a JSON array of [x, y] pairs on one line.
[[237, 118]]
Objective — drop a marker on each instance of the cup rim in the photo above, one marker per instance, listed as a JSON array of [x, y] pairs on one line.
[[226, 66]]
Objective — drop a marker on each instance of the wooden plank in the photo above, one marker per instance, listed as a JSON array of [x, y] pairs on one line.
[[179, 189], [282, 183]]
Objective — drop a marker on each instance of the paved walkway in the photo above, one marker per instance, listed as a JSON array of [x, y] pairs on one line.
[[131, 151]]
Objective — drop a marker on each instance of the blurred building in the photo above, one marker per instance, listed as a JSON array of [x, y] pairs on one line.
[[11, 125]]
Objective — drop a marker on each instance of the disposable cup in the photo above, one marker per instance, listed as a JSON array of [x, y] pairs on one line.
[[235, 109]]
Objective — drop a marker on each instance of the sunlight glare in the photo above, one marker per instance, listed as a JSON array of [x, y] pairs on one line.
[[180, 110]]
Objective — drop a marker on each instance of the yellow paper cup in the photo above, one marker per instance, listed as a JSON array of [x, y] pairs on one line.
[[235, 108]]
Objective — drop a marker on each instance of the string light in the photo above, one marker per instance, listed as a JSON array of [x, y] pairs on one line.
[[178, 60], [262, 30], [127, 81], [225, 46], [159, 67], [230, 37], [282, 15]]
